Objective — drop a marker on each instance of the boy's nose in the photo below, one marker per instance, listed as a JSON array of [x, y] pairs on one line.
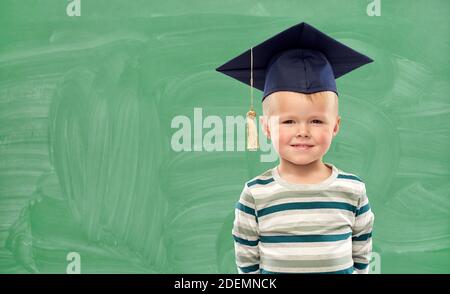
[[302, 132]]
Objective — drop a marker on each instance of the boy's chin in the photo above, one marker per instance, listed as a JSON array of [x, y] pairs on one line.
[[300, 161]]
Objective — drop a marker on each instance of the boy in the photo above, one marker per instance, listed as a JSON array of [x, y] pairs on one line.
[[304, 215]]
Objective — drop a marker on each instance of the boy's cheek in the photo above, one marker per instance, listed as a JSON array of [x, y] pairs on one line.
[[287, 133], [328, 135], [325, 139], [283, 138]]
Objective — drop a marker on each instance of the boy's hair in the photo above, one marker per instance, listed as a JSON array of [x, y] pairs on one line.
[[310, 97]]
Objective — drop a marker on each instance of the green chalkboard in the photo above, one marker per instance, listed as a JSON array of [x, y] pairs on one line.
[[104, 118]]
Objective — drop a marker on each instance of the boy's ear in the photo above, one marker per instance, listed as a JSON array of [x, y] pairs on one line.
[[264, 123], [337, 126]]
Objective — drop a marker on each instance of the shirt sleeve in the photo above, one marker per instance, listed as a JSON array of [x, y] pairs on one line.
[[246, 234], [362, 235]]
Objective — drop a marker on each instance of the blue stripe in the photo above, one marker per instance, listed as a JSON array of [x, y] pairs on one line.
[[304, 238], [245, 242], [245, 209], [363, 237], [363, 209], [341, 176], [344, 271], [248, 269], [306, 205], [360, 266], [260, 182]]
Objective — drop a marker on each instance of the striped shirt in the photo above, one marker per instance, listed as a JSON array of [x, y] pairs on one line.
[[282, 227]]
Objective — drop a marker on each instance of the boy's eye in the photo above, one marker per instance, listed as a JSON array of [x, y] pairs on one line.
[[290, 121]]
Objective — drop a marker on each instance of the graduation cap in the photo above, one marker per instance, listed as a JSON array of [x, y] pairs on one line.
[[300, 59]]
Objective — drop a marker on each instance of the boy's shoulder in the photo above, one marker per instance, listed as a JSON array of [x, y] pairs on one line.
[[344, 181], [265, 178], [349, 182]]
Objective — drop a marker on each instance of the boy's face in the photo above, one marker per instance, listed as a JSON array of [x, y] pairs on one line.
[[301, 130]]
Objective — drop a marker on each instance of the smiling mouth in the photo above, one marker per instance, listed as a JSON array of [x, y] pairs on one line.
[[302, 146]]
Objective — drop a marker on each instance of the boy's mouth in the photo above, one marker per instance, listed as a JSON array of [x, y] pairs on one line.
[[302, 146]]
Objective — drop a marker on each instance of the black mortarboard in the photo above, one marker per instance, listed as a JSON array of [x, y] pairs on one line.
[[299, 59]]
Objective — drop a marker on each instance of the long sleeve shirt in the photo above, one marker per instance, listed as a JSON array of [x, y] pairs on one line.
[[282, 227]]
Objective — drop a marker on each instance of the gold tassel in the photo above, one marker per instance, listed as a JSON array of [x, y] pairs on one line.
[[252, 129]]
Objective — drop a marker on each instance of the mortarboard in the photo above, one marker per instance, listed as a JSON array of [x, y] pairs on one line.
[[300, 59]]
